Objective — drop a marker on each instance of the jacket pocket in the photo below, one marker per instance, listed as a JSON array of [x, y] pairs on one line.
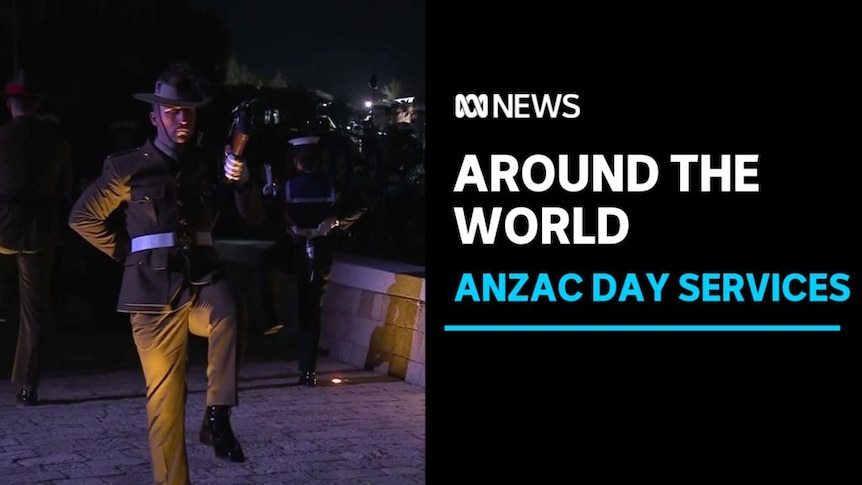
[[145, 201]]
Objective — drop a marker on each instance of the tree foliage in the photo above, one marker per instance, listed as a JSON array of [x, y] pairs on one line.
[[237, 74], [393, 89]]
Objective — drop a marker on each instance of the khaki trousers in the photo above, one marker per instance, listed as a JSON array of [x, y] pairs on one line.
[[36, 313], [213, 311]]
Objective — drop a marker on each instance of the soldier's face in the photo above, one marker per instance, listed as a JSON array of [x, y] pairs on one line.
[[175, 122], [405, 116]]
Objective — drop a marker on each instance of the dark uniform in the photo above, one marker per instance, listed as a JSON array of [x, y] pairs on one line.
[[311, 212], [172, 284], [35, 182], [309, 201]]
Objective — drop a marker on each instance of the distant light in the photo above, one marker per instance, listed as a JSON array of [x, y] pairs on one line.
[[368, 104], [336, 380]]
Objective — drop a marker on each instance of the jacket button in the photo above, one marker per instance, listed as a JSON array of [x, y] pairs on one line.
[[147, 197], [183, 222]]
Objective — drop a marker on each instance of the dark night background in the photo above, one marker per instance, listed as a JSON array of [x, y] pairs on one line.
[[330, 45], [90, 56]]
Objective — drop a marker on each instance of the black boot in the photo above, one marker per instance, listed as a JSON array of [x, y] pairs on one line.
[[216, 432], [308, 379], [27, 398]]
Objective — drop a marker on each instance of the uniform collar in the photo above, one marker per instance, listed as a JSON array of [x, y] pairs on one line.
[[171, 151]]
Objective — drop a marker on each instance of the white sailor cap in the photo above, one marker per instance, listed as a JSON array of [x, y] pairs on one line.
[[409, 101], [304, 140]]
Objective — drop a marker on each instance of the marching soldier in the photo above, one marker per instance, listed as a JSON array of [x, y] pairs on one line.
[[173, 282], [311, 212], [35, 183]]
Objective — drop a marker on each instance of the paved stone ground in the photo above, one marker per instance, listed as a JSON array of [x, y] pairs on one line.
[[91, 428]]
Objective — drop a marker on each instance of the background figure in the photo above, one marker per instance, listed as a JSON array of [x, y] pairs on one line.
[[35, 186], [310, 212], [173, 281]]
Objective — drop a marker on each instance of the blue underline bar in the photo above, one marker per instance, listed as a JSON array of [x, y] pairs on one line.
[[642, 328]]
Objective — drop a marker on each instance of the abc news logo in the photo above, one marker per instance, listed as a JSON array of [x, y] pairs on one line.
[[516, 105]]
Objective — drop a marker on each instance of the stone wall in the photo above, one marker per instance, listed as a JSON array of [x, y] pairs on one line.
[[373, 311], [374, 317]]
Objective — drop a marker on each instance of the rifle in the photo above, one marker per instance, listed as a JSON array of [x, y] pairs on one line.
[[241, 126]]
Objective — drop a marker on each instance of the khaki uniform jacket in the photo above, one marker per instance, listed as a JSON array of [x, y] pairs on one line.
[[157, 194]]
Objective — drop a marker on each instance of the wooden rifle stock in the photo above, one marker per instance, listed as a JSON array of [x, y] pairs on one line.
[[237, 146], [240, 128], [240, 133]]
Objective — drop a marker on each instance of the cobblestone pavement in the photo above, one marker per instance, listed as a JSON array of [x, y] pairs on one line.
[[91, 429]]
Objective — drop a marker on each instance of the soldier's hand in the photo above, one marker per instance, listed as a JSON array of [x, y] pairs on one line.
[[234, 168], [270, 190], [328, 225]]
